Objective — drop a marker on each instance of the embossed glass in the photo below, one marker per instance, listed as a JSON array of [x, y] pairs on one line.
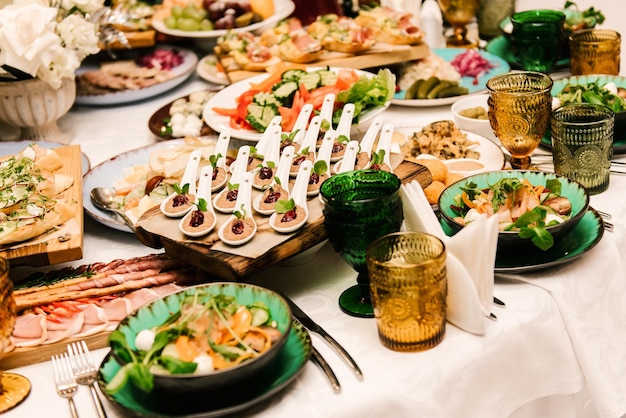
[[595, 51], [582, 144], [458, 13], [409, 287], [519, 108], [360, 206], [537, 38]]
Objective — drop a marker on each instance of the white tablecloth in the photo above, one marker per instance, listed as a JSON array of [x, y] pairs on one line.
[[556, 350]]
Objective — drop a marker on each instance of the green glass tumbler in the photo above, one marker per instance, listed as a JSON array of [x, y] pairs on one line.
[[582, 144], [360, 206], [537, 39]]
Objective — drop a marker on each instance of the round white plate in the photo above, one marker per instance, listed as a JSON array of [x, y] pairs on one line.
[[107, 172], [448, 55], [207, 70], [13, 147], [181, 73], [283, 8], [227, 98], [490, 154]]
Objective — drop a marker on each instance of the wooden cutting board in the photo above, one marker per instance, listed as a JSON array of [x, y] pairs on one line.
[[265, 250], [53, 247], [380, 55]]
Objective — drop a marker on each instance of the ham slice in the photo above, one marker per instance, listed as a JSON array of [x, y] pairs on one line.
[[64, 326], [30, 330], [95, 320]]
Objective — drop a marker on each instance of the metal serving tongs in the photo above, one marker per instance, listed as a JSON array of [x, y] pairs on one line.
[[312, 326]]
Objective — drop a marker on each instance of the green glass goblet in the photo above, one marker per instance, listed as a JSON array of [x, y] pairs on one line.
[[360, 206]]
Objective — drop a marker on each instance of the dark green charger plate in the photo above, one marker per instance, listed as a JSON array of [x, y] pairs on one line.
[[583, 238], [280, 373], [501, 47]]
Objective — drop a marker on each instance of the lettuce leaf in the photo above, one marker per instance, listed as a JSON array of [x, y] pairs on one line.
[[368, 93]]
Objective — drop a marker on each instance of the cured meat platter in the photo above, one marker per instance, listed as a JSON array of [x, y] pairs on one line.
[[265, 250], [65, 243]]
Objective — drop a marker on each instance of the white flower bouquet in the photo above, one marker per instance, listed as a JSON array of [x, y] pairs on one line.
[[46, 39]]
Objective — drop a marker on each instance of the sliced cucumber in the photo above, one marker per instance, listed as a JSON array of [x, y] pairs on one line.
[[259, 117], [259, 316], [311, 80], [291, 75], [284, 92], [327, 77]]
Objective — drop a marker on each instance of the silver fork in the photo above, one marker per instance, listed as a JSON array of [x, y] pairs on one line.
[[85, 371], [64, 380]]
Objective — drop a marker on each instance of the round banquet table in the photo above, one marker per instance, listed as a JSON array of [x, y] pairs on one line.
[[556, 349]]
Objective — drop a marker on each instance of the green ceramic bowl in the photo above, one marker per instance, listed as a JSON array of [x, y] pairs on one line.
[[156, 313], [510, 240]]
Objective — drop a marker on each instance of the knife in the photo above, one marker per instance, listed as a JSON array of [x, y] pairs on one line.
[[312, 326]]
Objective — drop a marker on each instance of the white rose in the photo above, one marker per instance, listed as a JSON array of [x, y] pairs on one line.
[[27, 37], [78, 34], [62, 66], [86, 6]]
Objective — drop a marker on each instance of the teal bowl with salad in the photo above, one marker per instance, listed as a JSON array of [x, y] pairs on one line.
[[609, 90], [536, 209], [208, 338]]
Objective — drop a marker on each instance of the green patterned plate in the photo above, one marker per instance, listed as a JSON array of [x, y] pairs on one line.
[[583, 238], [277, 376]]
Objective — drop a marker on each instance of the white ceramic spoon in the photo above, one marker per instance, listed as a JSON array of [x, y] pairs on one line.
[[282, 174], [242, 213], [384, 143], [267, 137], [308, 145], [343, 129], [168, 206], [270, 158], [302, 121], [348, 161], [323, 155], [209, 219], [365, 146], [221, 148], [239, 169], [326, 114], [299, 196]]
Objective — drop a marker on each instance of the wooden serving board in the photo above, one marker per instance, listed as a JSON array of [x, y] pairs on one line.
[[50, 248], [380, 55], [265, 250]]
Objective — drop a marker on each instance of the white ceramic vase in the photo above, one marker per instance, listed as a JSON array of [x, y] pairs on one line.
[[35, 106]]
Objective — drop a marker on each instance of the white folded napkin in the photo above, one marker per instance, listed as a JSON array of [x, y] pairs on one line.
[[470, 256]]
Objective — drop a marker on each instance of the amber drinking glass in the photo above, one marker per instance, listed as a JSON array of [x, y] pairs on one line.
[[582, 144], [595, 51], [360, 206], [520, 106], [13, 387], [458, 13], [409, 287]]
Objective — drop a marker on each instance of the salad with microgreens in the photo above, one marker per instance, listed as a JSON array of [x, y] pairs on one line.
[[519, 205], [209, 333], [593, 92]]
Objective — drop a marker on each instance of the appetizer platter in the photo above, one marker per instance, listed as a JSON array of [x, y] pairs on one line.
[[13, 147], [467, 69], [49, 230], [226, 109], [374, 38], [181, 117], [127, 81]]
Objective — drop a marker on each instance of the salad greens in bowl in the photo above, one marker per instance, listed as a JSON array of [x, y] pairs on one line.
[[535, 209], [609, 90], [204, 338]]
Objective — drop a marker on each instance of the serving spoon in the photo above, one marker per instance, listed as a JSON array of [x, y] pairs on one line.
[[188, 178], [282, 174], [102, 198], [242, 213], [299, 196], [221, 148], [209, 220], [239, 166], [343, 129]]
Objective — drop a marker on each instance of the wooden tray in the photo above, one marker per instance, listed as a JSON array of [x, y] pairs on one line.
[[380, 55], [46, 250], [156, 231]]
